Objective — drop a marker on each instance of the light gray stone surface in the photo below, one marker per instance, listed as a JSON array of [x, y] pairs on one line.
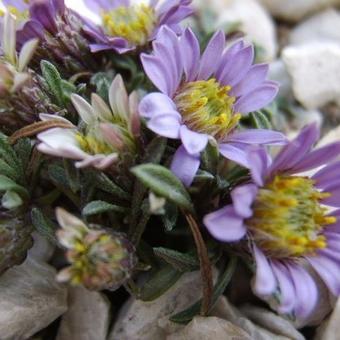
[[30, 299], [324, 26], [140, 320], [87, 318], [295, 10], [203, 328], [314, 69]]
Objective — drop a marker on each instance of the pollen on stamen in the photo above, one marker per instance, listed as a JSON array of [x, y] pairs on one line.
[[289, 218], [134, 23], [207, 107]]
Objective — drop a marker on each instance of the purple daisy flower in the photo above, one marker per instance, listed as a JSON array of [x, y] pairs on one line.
[[124, 25], [204, 96], [286, 217]]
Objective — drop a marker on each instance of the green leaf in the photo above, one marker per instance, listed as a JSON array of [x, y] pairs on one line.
[[8, 184], [7, 153], [260, 120], [58, 175], [102, 81], [163, 183], [170, 217], [219, 288], [180, 261], [53, 80], [23, 149], [8, 171], [44, 225], [11, 200], [159, 283], [105, 184], [210, 158], [99, 207]]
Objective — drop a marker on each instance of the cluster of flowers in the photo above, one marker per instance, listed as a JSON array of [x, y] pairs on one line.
[[277, 215]]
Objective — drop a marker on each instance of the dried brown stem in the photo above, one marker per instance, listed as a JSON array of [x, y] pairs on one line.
[[205, 265]]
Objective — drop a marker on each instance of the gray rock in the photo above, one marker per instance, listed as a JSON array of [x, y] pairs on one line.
[[278, 72], [42, 249], [330, 328], [304, 117], [271, 322], [87, 317], [324, 26], [252, 19], [295, 10], [223, 309], [140, 320], [30, 299], [314, 69], [202, 328]]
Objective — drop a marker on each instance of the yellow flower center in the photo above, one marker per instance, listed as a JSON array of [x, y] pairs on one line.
[[92, 144], [207, 107], [288, 218], [134, 23]]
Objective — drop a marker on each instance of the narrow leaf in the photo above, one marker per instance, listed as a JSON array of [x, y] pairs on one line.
[[53, 80], [180, 261], [105, 184], [159, 283], [44, 225], [8, 184], [99, 207], [163, 183], [260, 120]]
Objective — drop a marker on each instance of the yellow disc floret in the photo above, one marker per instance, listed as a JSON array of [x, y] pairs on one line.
[[207, 107], [134, 23], [19, 15], [288, 217], [92, 144]]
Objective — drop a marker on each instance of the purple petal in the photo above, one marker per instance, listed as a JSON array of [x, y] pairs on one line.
[[294, 151], [256, 99], [190, 54], [155, 103], [254, 78], [193, 142], [166, 124], [226, 58], [319, 157], [157, 73], [243, 198], [176, 15], [258, 136], [264, 282], [327, 175], [328, 270], [235, 154], [44, 13], [306, 290], [211, 56], [287, 290], [259, 161], [334, 189], [238, 66], [31, 29], [185, 166], [225, 225]]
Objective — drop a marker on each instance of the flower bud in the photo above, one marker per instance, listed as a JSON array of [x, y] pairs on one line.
[[99, 258]]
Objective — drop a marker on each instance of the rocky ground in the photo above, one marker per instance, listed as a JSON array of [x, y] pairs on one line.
[[301, 40]]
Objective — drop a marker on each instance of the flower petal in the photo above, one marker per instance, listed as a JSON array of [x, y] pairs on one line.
[[254, 78], [118, 98], [243, 197], [212, 55], [166, 124], [258, 136], [190, 50], [157, 72], [155, 103], [234, 153], [83, 108], [225, 224], [256, 99], [193, 142], [185, 166], [264, 283]]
